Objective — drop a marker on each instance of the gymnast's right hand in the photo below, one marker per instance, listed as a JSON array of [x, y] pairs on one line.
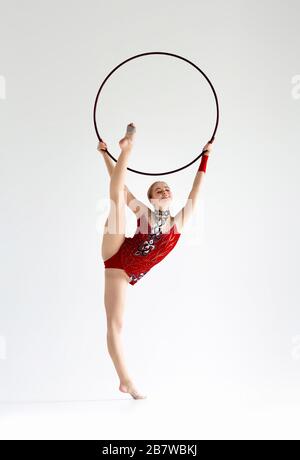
[[102, 147]]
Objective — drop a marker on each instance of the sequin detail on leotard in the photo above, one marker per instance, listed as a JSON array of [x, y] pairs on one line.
[[138, 254]]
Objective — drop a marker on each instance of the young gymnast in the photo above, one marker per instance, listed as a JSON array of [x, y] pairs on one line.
[[127, 260]]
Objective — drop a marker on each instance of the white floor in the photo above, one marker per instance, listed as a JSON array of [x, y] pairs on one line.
[[230, 412]]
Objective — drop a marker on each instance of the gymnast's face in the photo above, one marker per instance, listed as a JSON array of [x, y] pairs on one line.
[[162, 195]]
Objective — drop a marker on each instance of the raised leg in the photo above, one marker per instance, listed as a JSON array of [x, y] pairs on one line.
[[115, 225]]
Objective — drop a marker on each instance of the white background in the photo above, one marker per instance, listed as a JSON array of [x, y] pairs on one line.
[[215, 327]]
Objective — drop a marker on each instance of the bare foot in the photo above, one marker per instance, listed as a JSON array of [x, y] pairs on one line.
[[130, 388], [127, 141]]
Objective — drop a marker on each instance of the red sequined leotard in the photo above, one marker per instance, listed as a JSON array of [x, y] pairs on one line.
[[138, 254]]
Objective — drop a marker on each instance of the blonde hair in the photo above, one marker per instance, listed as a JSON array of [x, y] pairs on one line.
[[149, 193]]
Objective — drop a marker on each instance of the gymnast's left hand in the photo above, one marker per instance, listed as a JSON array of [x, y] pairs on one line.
[[207, 147]]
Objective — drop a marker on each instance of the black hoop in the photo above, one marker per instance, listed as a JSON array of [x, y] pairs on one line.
[[167, 54]]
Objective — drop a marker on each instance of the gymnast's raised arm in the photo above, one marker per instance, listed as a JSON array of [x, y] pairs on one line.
[[185, 213]]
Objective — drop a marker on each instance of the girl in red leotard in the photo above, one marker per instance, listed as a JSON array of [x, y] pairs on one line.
[[127, 260]]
